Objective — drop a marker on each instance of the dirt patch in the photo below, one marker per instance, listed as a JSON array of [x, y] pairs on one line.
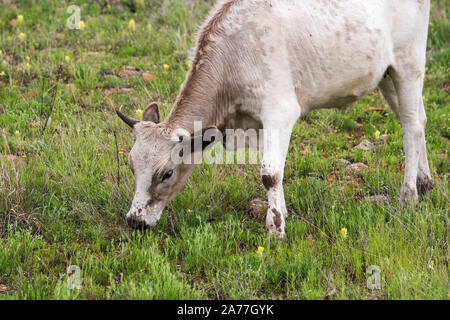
[[117, 91], [148, 76], [129, 72]]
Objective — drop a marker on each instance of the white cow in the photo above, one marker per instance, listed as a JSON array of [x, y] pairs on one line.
[[263, 64]]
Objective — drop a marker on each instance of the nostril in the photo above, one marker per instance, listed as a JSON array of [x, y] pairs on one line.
[[135, 223]]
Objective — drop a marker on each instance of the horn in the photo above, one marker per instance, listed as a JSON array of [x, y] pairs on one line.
[[128, 120]]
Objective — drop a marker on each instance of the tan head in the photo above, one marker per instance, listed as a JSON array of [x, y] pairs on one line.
[[158, 177]]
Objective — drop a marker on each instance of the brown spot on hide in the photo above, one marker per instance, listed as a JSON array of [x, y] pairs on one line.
[[269, 181], [277, 218]]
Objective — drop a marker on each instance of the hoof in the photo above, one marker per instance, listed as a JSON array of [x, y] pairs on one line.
[[278, 235], [137, 223], [275, 224], [408, 195], [424, 185]]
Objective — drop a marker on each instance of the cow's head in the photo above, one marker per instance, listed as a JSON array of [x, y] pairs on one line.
[[158, 177]]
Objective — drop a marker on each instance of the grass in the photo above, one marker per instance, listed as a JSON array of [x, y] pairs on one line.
[[65, 187]]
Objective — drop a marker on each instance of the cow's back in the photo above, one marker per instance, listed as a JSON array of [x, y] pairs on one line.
[[337, 50], [332, 51]]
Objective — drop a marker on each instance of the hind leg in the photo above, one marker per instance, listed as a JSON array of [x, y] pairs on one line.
[[423, 182], [408, 111]]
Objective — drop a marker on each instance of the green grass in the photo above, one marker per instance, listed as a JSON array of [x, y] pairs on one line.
[[62, 204]]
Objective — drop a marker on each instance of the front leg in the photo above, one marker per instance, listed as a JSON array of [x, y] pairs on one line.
[[276, 143]]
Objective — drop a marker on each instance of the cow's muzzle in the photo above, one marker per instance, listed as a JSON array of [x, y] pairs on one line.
[[146, 221], [137, 222]]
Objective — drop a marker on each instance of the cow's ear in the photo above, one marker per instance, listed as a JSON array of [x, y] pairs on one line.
[[151, 113]]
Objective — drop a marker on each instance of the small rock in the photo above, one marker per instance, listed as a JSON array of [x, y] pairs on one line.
[[377, 199], [366, 145], [343, 162], [258, 205], [358, 166]]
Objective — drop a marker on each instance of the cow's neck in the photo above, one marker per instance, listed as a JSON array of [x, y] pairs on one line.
[[205, 96]]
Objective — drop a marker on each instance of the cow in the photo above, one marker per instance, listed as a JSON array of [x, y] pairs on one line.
[[264, 63]]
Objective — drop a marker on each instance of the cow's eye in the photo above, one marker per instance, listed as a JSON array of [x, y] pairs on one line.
[[167, 175]]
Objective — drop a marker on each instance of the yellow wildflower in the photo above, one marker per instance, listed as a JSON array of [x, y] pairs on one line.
[[260, 250], [2, 74], [27, 58], [132, 25], [4, 63], [344, 233], [67, 58], [139, 112], [81, 25], [24, 156], [27, 66], [17, 133], [1, 52], [22, 36], [20, 18], [377, 134], [165, 66], [189, 210]]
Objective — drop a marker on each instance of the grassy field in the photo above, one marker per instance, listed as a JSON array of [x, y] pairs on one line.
[[65, 184]]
